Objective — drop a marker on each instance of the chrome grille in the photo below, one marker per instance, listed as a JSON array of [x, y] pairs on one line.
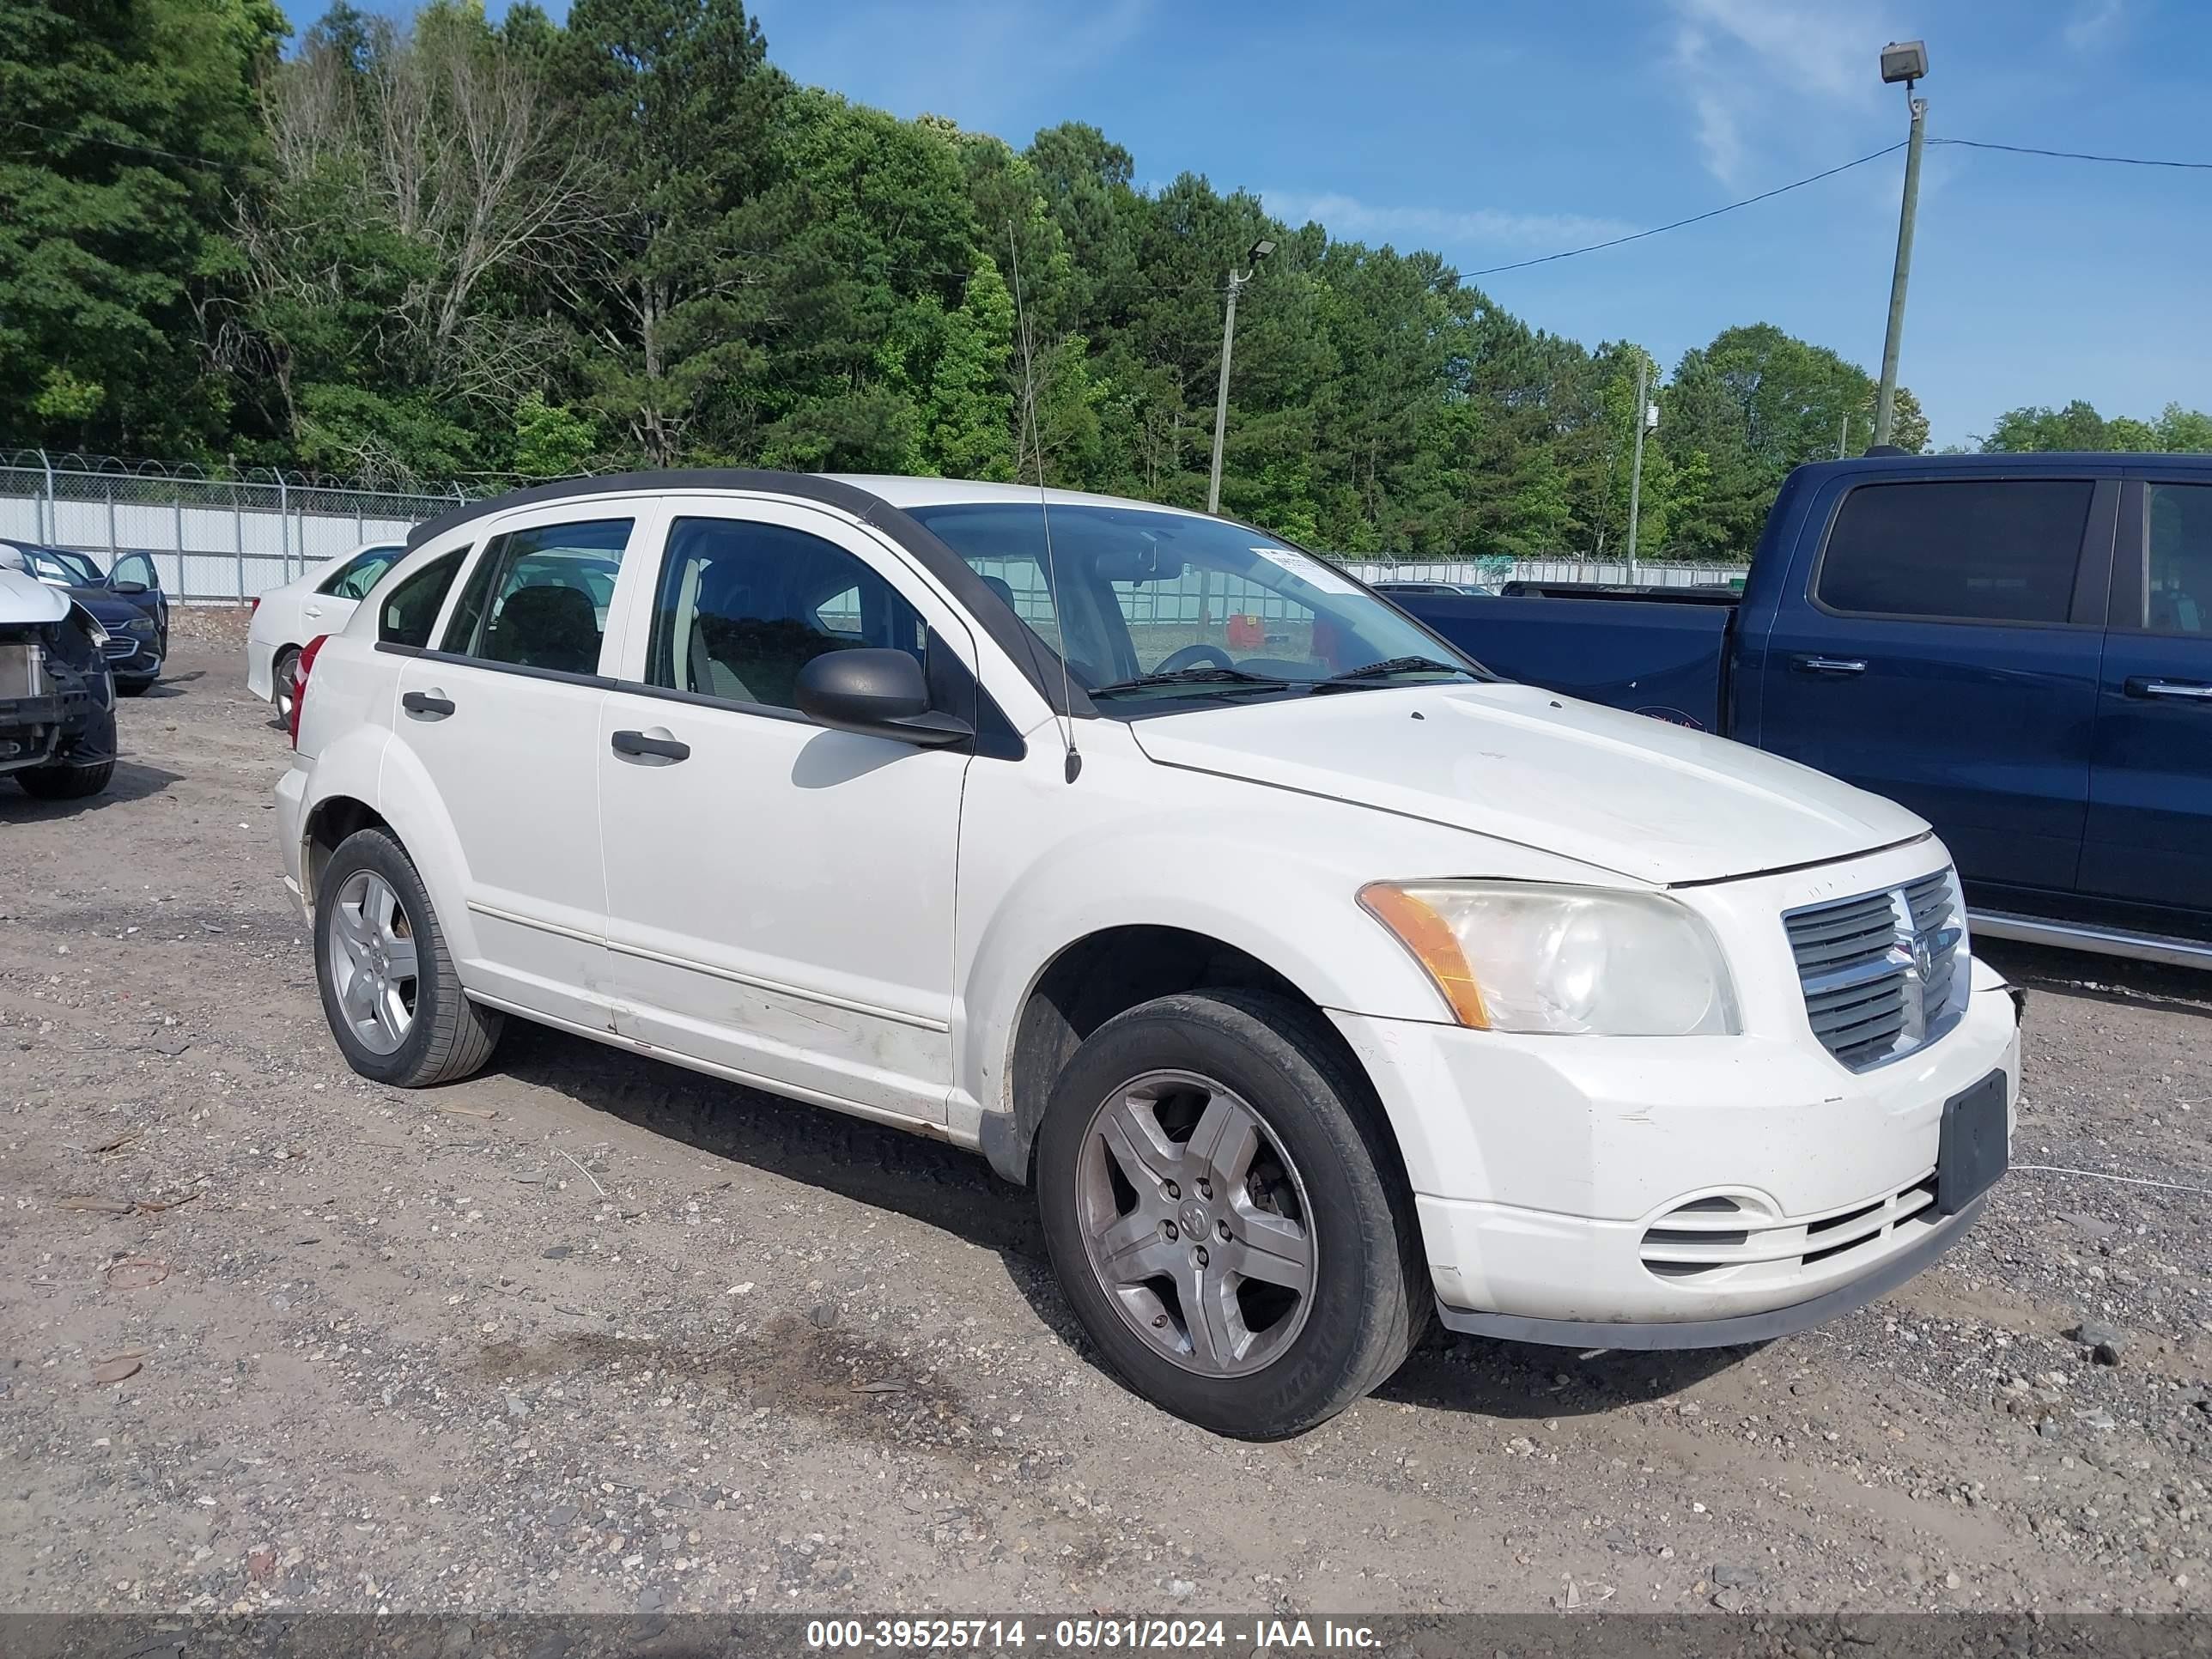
[[1878, 969], [120, 644]]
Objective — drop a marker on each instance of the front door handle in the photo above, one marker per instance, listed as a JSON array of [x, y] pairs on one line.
[[1838, 665], [427, 705], [638, 746], [2141, 685]]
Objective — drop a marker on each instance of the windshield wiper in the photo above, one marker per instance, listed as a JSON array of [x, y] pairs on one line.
[[1197, 674], [1354, 679]]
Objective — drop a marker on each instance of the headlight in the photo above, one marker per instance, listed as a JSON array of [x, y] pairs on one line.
[[139, 625], [1567, 961]]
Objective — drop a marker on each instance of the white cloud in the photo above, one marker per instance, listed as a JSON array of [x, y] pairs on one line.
[[2094, 24], [1353, 220], [1754, 69]]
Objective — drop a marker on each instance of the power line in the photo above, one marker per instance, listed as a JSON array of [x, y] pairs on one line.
[[1695, 218], [2075, 155], [72, 133]]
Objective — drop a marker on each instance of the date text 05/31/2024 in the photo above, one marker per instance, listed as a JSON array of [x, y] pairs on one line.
[[1082, 1635]]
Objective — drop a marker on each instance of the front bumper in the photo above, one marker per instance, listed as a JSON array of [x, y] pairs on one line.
[[142, 662], [261, 669], [1543, 1167], [291, 834]]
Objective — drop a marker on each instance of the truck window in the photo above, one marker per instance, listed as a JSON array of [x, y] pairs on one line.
[[2177, 588], [1968, 550]]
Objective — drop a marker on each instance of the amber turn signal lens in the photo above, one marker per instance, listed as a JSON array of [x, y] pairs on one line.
[[1427, 936]]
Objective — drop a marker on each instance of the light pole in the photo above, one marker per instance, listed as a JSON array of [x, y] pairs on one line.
[[1905, 61], [1260, 251], [1647, 418]]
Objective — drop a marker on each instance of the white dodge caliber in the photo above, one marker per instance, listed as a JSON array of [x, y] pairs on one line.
[[1314, 978]]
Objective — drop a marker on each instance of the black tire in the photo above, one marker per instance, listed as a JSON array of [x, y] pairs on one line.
[[134, 688], [449, 1036], [285, 684], [1371, 1289], [66, 782]]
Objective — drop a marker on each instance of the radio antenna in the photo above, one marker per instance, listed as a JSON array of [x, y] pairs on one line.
[[1072, 765]]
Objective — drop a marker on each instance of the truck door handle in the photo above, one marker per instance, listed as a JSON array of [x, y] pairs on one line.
[[2142, 686], [637, 744], [1829, 664], [427, 705]]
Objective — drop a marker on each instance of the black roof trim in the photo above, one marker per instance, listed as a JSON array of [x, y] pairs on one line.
[[993, 614]]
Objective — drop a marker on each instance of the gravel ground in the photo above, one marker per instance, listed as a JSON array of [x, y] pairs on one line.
[[591, 1333]]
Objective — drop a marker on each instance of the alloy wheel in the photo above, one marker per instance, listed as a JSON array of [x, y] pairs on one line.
[[372, 962], [1196, 1224]]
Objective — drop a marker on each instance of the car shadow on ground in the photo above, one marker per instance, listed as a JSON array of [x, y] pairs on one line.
[[172, 685], [133, 780], [955, 1192], [2042, 969]]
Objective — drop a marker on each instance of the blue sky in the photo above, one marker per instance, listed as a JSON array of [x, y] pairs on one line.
[[1496, 131]]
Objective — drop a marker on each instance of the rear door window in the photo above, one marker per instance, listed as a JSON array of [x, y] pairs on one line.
[[2177, 561], [1966, 550], [538, 598], [353, 579]]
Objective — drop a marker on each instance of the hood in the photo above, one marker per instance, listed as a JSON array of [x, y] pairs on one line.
[[26, 600], [1620, 792], [112, 610]]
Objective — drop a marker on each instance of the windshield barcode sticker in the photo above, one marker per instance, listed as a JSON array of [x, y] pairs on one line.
[[1312, 572]]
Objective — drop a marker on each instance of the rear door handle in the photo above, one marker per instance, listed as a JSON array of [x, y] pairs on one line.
[[637, 744], [427, 705], [1829, 664], [311, 610], [2141, 685]]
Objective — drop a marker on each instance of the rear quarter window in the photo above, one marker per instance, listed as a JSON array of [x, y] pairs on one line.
[[1967, 549], [407, 613]]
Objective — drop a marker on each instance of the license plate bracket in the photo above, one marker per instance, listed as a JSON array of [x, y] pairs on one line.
[[1975, 1145]]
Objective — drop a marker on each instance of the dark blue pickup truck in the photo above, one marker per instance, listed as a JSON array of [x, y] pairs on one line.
[[2018, 647]]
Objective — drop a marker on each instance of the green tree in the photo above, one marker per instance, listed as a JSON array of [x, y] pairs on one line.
[[126, 124], [968, 421]]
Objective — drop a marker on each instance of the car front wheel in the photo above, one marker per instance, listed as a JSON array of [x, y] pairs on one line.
[[1226, 1213], [390, 989]]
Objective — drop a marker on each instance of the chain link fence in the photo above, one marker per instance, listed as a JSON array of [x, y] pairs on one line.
[[215, 539], [224, 540]]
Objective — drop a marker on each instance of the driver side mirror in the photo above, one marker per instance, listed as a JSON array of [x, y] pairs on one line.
[[130, 590], [876, 694]]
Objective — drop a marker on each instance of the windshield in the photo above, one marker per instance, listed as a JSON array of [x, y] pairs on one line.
[[1144, 594], [52, 564]]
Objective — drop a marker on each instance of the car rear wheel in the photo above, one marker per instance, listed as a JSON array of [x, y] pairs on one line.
[[284, 684], [1226, 1215], [390, 989], [66, 782]]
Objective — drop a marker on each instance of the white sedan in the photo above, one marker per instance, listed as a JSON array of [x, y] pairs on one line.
[[285, 618]]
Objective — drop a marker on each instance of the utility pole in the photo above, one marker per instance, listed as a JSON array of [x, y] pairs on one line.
[[1260, 250], [1844, 436], [1907, 63], [1636, 468]]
